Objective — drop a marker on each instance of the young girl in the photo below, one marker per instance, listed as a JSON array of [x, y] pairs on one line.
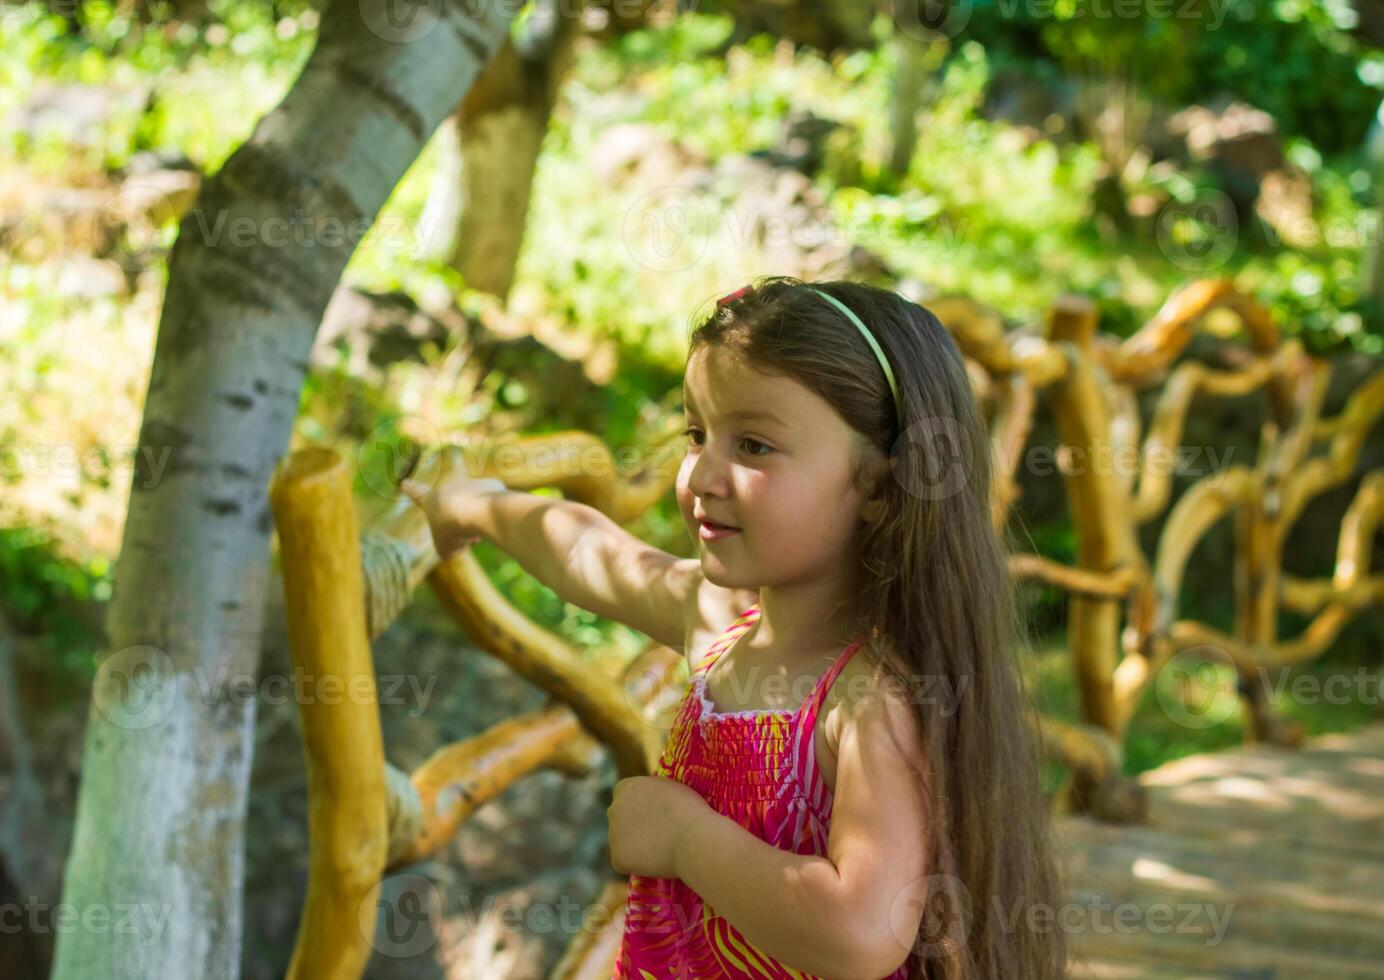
[[850, 786]]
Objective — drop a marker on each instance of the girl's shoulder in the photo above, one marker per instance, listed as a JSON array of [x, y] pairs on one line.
[[863, 687]]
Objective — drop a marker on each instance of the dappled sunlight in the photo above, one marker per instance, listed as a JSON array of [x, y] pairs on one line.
[[1252, 859]]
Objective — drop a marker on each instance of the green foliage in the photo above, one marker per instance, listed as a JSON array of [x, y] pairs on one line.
[[985, 208], [50, 596], [203, 87], [1323, 696], [1291, 58]]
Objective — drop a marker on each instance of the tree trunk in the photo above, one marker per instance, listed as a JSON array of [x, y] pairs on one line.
[[500, 127], [158, 844], [1372, 270], [915, 61]]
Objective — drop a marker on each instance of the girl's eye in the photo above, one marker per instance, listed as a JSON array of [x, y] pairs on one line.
[[692, 433]]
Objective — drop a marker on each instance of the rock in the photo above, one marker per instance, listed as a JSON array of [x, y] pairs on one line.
[[1041, 109], [72, 112], [801, 144], [638, 153], [1240, 144]]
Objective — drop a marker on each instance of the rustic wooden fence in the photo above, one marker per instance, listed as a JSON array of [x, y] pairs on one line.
[[344, 584]]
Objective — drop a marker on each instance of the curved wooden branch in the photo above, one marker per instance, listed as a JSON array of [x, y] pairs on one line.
[[1170, 415], [426, 809], [978, 330], [545, 661], [581, 466], [460, 777], [1113, 584], [1097, 784], [1204, 503], [397, 550], [1355, 548], [1100, 512], [1143, 357], [592, 952], [1125, 427], [1362, 411], [1009, 431], [347, 834]]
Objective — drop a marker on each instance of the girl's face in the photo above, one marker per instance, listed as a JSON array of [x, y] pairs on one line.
[[768, 456]]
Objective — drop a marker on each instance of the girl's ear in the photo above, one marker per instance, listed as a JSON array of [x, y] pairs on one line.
[[874, 467]]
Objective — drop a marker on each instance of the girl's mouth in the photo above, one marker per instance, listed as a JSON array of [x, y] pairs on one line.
[[715, 532]]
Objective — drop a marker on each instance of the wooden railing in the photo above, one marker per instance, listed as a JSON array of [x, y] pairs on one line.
[[345, 584], [1123, 621]]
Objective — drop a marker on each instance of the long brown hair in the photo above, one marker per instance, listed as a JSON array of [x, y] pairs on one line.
[[932, 591]]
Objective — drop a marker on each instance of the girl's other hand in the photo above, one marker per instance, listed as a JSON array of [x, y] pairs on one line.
[[648, 816], [450, 507]]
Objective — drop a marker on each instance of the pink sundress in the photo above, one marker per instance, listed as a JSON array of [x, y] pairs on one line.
[[758, 768]]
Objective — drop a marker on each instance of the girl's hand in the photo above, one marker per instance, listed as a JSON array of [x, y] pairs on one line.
[[449, 507], [648, 817]]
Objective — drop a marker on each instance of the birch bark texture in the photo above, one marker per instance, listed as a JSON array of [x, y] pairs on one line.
[[159, 837]]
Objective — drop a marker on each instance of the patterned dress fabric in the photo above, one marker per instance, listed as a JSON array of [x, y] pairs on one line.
[[759, 768]]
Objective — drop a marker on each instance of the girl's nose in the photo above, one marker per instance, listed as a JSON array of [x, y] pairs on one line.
[[707, 476]]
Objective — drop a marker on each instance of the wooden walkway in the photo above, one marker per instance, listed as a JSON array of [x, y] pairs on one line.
[[1256, 864]]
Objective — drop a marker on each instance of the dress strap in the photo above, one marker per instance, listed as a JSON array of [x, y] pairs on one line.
[[804, 750], [728, 636], [819, 690]]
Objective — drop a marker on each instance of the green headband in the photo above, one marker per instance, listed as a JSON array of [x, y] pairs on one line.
[[874, 346]]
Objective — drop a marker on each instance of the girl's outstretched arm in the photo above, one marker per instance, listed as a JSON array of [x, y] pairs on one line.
[[572, 548], [856, 911]]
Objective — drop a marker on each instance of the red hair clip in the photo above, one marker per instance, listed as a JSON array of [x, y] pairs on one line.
[[735, 295]]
